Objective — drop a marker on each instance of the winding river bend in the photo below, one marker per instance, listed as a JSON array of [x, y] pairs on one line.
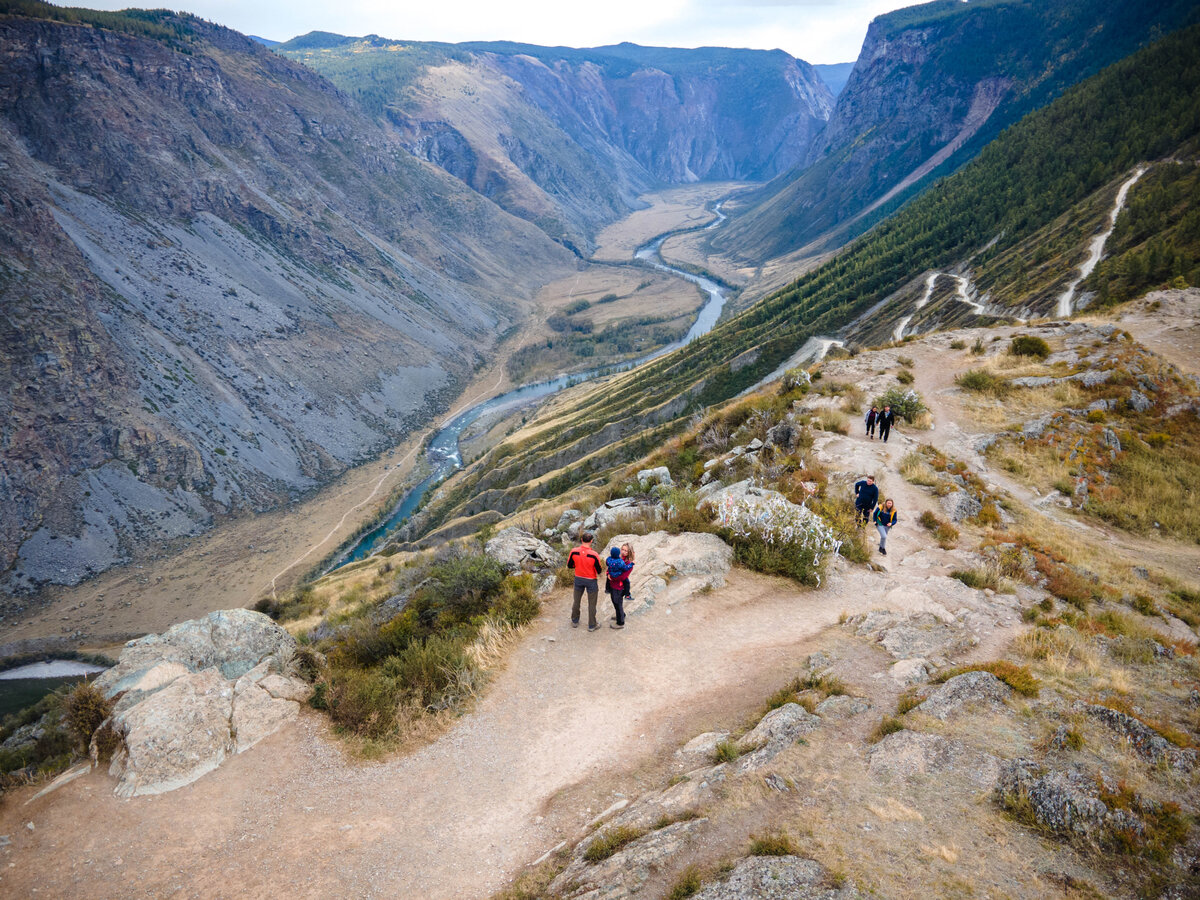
[[443, 452]]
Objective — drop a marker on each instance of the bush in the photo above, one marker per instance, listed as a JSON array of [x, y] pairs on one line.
[[776, 844], [981, 381], [84, 709], [688, 883], [726, 751], [977, 347], [958, 345], [905, 377], [1028, 345], [887, 725], [943, 532], [907, 405]]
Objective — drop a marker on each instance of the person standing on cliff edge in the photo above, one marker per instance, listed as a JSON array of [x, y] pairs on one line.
[[587, 565]]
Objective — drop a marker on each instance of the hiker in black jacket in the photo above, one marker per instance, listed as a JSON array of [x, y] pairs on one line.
[[872, 416], [887, 418], [866, 495]]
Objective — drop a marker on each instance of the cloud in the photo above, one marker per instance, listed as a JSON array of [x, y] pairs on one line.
[[815, 30]]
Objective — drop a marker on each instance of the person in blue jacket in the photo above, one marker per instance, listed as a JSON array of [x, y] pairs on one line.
[[866, 495], [885, 518]]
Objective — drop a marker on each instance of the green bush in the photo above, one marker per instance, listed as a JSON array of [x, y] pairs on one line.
[[776, 844], [906, 404], [84, 709], [905, 377], [981, 381], [1028, 345]]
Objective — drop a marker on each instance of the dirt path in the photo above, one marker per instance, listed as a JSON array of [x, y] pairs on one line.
[[572, 714]]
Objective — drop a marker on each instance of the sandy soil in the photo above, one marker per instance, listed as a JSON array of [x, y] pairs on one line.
[[677, 207], [1167, 322]]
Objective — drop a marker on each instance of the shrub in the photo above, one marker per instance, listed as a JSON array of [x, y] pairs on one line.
[[84, 709], [1028, 345], [776, 844], [610, 841], [887, 725], [917, 470], [981, 381], [977, 347], [943, 532], [906, 404], [726, 751], [778, 538], [905, 377], [688, 883], [905, 361], [958, 345]]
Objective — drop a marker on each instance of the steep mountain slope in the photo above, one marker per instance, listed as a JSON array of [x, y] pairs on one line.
[[567, 138], [932, 85], [1058, 159], [221, 284]]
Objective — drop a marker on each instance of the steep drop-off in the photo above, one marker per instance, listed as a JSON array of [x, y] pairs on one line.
[[567, 138], [221, 285], [932, 86]]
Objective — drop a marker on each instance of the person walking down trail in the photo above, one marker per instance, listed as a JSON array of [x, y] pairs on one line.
[[616, 584], [872, 416], [885, 518], [866, 495], [587, 565], [887, 419]]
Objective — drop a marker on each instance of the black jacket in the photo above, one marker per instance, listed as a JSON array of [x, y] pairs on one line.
[[866, 495], [887, 419]]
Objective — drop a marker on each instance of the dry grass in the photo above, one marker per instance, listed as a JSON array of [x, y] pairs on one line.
[[892, 810], [916, 470]]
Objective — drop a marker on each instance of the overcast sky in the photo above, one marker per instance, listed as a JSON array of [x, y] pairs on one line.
[[819, 31]]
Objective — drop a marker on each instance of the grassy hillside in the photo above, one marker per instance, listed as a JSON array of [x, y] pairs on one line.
[[1143, 108], [925, 72]]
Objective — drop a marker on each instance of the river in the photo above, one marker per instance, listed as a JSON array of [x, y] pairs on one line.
[[443, 453]]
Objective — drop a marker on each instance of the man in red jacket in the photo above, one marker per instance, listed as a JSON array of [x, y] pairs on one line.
[[586, 562]]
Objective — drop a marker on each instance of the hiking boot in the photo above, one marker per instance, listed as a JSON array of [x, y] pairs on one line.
[[595, 627], [617, 625], [574, 623], [884, 552]]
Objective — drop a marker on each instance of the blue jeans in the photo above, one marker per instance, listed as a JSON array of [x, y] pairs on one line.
[[883, 533]]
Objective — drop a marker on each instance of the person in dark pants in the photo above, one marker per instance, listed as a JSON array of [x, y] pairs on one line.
[[866, 495], [587, 565], [617, 584], [872, 415], [887, 419]]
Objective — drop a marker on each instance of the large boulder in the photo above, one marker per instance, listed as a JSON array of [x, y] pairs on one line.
[[201, 691], [517, 550], [1067, 802], [231, 640], [775, 732], [960, 505], [659, 475], [674, 568], [777, 878]]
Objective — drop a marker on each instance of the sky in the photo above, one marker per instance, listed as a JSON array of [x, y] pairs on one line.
[[818, 31]]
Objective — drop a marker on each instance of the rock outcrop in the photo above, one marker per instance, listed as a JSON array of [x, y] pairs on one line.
[[196, 694], [971, 689], [517, 550], [777, 878]]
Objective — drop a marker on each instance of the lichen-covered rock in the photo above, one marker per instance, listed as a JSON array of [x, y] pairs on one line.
[[703, 745], [1139, 402], [960, 505], [777, 878], [775, 732], [517, 550], [1066, 802], [908, 672], [842, 706], [687, 795], [232, 640], [921, 635], [657, 475], [175, 735], [914, 753], [197, 693], [1145, 741], [970, 688], [622, 874]]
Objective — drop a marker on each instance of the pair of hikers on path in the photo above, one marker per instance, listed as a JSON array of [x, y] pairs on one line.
[[885, 420], [866, 496], [587, 565]]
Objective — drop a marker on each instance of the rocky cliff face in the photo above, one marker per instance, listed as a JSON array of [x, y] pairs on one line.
[[568, 138], [932, 85], [221, 285]]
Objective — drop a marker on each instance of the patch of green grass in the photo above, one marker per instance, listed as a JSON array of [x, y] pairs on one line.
[[905, 377], [726, 751], [978, 578], [688, 883], [610, 841]]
